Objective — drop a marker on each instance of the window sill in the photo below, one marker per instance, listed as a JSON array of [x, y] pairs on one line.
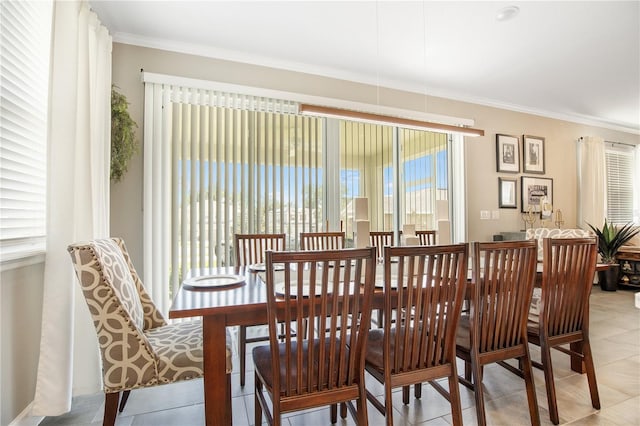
[[29, 259]]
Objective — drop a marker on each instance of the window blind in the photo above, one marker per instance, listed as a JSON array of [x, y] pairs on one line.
[[620, 185], [24, 75]]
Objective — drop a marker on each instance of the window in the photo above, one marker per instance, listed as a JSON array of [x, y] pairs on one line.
[[218, 163], [25, 36], [621, 187], [241, 171]]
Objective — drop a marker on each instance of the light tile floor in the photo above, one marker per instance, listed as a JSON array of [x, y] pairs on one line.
[[615, 337]]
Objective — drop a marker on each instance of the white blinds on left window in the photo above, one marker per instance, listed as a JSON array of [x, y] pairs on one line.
[[24, 77]]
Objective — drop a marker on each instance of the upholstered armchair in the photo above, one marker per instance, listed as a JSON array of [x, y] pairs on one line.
[[138, 347]]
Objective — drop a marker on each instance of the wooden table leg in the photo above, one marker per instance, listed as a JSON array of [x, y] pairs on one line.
[[217, 393]]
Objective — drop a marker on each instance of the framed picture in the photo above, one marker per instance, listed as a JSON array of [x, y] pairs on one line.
[[507, 188], [535, 190], [507, 153], [533, 152]]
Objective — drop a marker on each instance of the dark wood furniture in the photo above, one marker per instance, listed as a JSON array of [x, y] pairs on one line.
[[427, 238], [419, 344], [250, 250], [567, 278], [503, 275], [243, 304], [629, 260], [380, 239], [322, 240], [318, 366]]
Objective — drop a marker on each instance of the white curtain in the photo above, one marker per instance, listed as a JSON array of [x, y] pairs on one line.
[[78, 200], [591, 182]]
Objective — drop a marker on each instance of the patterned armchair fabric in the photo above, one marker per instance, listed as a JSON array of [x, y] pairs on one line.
[[541, 233], [138, 347]]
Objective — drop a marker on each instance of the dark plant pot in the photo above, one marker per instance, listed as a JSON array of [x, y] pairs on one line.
[[608, 278]]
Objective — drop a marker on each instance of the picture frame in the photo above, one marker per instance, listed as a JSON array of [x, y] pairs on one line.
[[507, 153], [533, 154], [533, 189], [507, 193]]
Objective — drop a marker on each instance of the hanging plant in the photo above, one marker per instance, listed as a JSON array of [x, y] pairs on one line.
[[123, 141]]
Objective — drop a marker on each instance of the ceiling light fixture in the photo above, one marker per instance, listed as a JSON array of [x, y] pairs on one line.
[[321, 111], [507, 13]]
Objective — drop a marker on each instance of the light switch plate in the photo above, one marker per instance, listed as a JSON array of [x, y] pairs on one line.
[[484, 214]]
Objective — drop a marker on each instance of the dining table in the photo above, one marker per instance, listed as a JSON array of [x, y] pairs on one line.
[[241, 299]]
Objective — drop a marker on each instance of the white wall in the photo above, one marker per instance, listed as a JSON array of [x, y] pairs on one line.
[[21, 292]]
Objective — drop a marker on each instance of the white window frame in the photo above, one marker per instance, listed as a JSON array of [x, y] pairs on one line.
[[25, 39], [623, 172]]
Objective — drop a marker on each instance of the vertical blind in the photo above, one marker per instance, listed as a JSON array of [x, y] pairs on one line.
[[218, 163], [424, 178], [226, 164], [366, 163], [620, 186], [25, 36]]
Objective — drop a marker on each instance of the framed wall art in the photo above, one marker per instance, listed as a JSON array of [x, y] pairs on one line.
[[507, 153], [533, 154], [535, 189], [507, 193]]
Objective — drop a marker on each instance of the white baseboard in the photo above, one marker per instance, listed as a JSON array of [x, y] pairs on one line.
[[25, 418]]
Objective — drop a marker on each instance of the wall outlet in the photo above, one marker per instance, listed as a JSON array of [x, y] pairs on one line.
[[495, 214], [484, 215]]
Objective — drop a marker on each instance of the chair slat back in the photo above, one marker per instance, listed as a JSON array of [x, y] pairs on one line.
[[503, 277], [380, 239], [427, 238], [251, 248], [567, 277], [430, 283], [322, 240], [332, 288]]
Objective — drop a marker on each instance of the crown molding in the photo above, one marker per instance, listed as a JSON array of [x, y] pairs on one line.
[[328, 72]]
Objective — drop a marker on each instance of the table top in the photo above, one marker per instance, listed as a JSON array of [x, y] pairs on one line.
[[248, 297], [189, 302]]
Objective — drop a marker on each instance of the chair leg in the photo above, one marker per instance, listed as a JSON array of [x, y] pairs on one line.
[[591, 374], [545, 352], [110, 408], [256, 403], [417, 390], [527, 370], [362, 417], [477, 390], [334, 413], [388, 403], [242, 348], [405, 394], [343, 410], [123, 400], [454, 398]]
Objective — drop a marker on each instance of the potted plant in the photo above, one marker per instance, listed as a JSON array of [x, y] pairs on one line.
[[610, 239]]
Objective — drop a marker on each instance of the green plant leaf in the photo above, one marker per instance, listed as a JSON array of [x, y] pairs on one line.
[[123, 138]]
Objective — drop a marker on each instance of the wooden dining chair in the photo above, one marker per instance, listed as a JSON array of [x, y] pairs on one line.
[[380, 239], [322, 240], [568, 268], [427, 238], [503, 274], [424, 291], [251, 250], [139, 348], [315, 368]]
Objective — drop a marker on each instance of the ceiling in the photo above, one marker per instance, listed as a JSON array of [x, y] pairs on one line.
[[576, 60]]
